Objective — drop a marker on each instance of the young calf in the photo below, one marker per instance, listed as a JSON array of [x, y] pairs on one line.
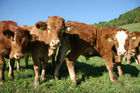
[[13, 41], [49, 35], [83, 39], [134, 46]]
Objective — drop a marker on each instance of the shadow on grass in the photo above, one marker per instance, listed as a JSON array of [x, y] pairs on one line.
[[86, 70], [132, 70]]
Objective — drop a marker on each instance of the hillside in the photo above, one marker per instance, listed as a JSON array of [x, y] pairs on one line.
[[129, 17], [132, 27]]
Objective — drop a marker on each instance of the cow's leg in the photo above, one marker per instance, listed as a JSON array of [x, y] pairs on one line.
[[70, 60], [118, 60], [36, 70], [124, 58], [44, 64], [109, 66], [60, 58], [11, 67], [2, 68], [53, 60], [18, 65], [119, 68], [64, 48], [137, 58], [70, 65], [26, 61], [128, 57]]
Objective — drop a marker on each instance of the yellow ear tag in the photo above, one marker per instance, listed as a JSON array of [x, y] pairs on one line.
[[68, 29], [109, 39], [7, 36], [134, 37], [40, 30]]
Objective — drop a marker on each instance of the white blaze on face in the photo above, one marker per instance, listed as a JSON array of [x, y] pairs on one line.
[[121, 37]]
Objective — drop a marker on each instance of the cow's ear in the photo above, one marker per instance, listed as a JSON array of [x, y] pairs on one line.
[[109, 38], [41, 25], [8, 34]]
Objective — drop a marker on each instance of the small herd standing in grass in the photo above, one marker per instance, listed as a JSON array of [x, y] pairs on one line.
[[71, 38]]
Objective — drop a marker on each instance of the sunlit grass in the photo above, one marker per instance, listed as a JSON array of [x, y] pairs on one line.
[[92, 77]]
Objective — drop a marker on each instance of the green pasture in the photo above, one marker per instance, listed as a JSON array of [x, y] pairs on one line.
[[132, 27]]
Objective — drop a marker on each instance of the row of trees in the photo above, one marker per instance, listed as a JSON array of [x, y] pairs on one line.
[[130, 17]]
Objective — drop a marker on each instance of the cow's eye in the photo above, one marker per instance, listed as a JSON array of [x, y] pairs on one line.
[[48, 29]]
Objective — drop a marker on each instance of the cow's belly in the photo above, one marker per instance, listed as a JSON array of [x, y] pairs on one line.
[[90, 52]]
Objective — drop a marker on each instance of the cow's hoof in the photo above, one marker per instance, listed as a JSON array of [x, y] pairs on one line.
[[74, 81], [43, 78], [1, 82], [115, 81], [11, 76], [137, 62], [57, 78], [18, 70], [36, 84], [121, 75]]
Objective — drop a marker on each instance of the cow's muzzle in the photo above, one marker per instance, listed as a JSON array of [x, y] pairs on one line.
[[16, 56], [55, 43], [121, 53]]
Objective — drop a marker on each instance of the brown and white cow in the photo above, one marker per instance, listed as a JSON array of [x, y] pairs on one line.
[[49, 33], [13, 41], [83, 39], [134, 47]]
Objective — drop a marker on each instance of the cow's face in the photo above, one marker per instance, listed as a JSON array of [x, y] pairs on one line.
[[19, 41], [120, 41], [56, 27], [134, 41]]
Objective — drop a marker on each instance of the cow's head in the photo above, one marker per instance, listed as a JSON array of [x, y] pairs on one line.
[[134, 41], [19, 40], [55, 27], [120, 41]]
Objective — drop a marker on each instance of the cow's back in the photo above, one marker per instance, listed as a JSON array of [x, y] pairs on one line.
[[83, 31]]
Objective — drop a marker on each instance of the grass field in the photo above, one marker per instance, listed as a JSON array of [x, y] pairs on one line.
[[92, 77], [132, 27]]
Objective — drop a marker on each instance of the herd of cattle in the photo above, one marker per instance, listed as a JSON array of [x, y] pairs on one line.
[[73, 39]]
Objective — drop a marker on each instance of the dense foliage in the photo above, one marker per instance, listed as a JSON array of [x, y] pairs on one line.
[[129, 17]]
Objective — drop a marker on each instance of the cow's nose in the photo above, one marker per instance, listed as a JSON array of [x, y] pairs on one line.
[[17, 56], [55, 43], [122, 52]]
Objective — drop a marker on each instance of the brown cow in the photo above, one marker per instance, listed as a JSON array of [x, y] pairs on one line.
[[134, 46], [109, 43], [49, 33], [13, 41]]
